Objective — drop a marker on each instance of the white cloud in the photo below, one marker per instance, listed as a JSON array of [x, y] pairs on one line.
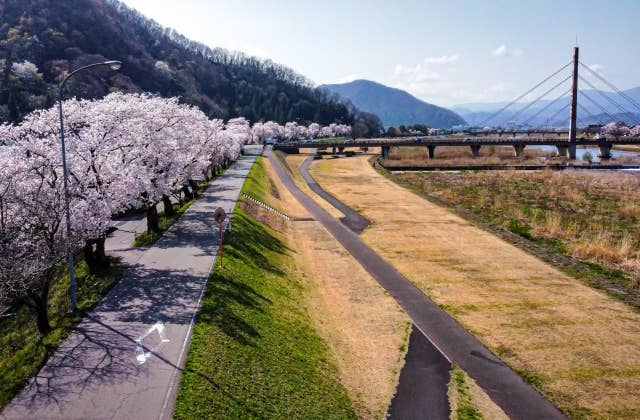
[[598, 68], [443, 59], [504, 51], [413, 74], [350, 78]]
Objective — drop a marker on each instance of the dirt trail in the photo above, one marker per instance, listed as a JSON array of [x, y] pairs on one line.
[[573, 342]]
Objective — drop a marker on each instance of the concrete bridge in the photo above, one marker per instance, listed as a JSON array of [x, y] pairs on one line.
[[475, 143]]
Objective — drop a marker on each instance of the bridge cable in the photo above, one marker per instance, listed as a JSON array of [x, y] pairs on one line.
[[559, 111], [620, 107], [603, 109], [520, 111], [611, 85], [524, 94], [547, 106], [586, 111]]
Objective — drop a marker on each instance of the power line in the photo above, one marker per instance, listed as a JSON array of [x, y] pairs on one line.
[[620, 107], [550, 104], [525, 94], [606, 82]]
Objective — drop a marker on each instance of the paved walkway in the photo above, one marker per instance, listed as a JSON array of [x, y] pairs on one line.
[[352, 219], [514, 396], [124, 359], [423, 383]]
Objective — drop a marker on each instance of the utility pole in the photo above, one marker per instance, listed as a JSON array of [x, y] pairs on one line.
[[574, 106]]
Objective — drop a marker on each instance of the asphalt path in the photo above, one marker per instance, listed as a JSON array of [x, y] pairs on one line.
[[352, 219], [423, 384], [507, 389], [124, 360]]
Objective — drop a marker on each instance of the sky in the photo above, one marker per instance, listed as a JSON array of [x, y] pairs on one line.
[[445, 52]]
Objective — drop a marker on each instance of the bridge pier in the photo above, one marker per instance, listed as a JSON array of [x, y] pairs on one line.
[[572, 151], [432, 151], [605, 150], [475, 150], [519, 149], [385, 152], [341, 149], [334, 151], [563, 151]]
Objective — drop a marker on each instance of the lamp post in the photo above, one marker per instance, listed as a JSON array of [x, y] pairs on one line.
[[113, 65]]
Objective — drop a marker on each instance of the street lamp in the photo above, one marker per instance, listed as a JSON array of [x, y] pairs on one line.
[[113, 65]]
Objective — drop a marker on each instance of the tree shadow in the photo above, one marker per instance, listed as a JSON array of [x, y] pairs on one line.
[[220, 307], [254, 241]]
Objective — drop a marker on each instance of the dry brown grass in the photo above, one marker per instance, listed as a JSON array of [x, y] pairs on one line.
[[365, 329], [464, 391], [454, 156], [580, 347], [595, 216]]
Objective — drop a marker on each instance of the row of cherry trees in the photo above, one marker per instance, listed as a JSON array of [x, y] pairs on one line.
[[293, 131], [125, 151]]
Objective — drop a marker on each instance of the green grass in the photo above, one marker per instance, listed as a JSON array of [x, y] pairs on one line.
[[259, 185], [23, 350], [463, 406], [254, 352]]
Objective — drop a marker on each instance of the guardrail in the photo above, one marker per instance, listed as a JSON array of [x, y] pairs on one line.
[[266, 206]]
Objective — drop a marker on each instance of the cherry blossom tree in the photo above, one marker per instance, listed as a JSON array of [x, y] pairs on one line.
[[124, 151], [616, 129]]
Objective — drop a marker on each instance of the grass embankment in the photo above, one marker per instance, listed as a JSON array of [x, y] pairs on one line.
[[148, 238], [23, 350], [254, 351], [593, 217], [574, 343], [260, 186]]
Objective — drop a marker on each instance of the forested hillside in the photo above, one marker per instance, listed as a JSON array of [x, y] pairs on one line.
[[40, 40]]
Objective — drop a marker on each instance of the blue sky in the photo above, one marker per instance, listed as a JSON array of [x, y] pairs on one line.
[[444, 52]]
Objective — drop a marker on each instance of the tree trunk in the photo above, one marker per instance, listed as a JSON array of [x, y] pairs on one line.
[[152, 220], [101, 255], [168, 206], [89, 257], [41, 304], [187, 194], [194, 188]]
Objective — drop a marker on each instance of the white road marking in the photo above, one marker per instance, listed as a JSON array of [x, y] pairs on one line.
[[141, 355]]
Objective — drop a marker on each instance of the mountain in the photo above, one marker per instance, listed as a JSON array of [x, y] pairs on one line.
[[394, 106], [40, 40], [608, 106]]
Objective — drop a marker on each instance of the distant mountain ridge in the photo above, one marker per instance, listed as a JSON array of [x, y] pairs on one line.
[[394, 106], [588, 113]]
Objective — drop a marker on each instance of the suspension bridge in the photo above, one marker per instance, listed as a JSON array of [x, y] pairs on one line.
[[565, 141]]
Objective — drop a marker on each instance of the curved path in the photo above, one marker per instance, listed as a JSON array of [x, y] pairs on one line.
[[506, 388], [125, 358], [353, 220]]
